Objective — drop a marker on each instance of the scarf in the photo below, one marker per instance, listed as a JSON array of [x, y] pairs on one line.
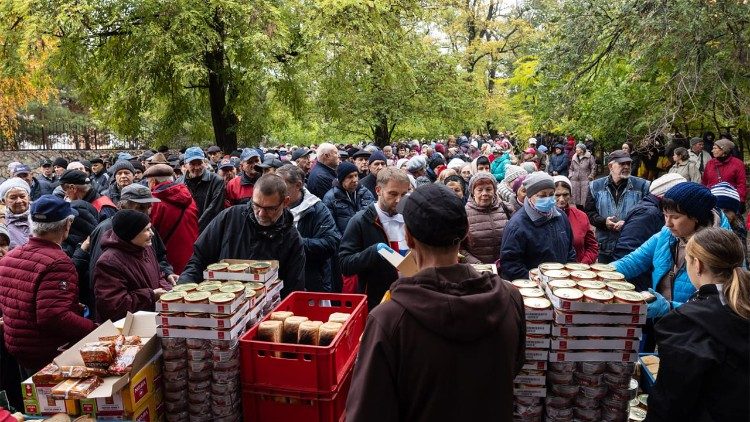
[[394, 228]]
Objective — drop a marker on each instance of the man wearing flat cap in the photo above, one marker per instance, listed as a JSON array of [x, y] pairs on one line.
[[77, 185], [301, 158], [726, 168], [447, 325], [610, 199]]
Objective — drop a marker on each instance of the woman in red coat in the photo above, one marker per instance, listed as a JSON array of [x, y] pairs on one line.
[[127, 275], [584, 239]]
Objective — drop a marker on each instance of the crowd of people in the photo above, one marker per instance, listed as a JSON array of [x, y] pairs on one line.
[[90, 240]]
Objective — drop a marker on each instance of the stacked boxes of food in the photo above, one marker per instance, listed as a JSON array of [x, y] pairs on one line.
[[200, 325], [530, 384], [594, 342], [297, 362]]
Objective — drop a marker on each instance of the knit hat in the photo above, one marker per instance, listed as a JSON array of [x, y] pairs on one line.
[[564, 180], [456, 164], [13, 182], [482, 176], [727, 197], [528, 167], [542, 149], [60, 162], [695, 199], [518, 182], [695, 140], [402, 161], [661, 185], [344, 169], [537, 182], [121, 165], [512, 172], [582, 146], [725, 144], [376, 156], [128, 223], [416, 163]]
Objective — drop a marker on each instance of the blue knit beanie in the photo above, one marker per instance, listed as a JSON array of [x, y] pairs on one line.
[[344, 169], [695, 199]]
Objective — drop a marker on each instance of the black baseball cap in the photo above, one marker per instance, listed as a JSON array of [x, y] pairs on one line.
[[619, 156], [213, 149], [300, 152], [44, 162], [435, 204], [74, 177]]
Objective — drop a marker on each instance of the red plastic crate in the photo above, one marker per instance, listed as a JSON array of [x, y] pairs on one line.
[[269, 405], [312, 369]]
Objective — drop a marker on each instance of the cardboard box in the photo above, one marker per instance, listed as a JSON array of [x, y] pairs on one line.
[[148, 410], [596, 331], [31, 407], [276, 289], [38, 400], [581, 318], [270, 275], [140, 325], [151, 411], [538, 329], [560, 356], [406, 265], [537, 343], [170, 321], [535, 365], [539, 315], [614, 308], [206, 333], [536, 354], [530, 391], [583, 344], [202, 307], [530, 380]]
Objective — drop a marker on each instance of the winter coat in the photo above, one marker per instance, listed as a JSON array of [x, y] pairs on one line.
[[584, 239], [486, 225], [497, 168], [240, 190], [319, 238], [125, 277], [321, 179], [175, 218], [601, 203], [704, 367], [688, 170], [42, 186], [505, 193], [642, 222], [39, 302], [358, 255], [529, 242], [558, 163], [102, 180], [370, 181], [113, 192], [18, 228], [106, 208], [208, 193], [83, 224], [700, 159], [581, 169], [236, 234], [656, 257], [731, 170], [444, 327], [343, 206]]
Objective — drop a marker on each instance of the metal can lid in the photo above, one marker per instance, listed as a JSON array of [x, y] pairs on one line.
[[557, 273], [602, 267], [197, 296], [629, 296], [562, 284], [221, 298], [208, 282], [551, 266], [260, 265], [523, 283], [232, 288], [531, 292], [219, 266], [611, 275], [583, 274], [568, 294], [620, 285], [172, 296], [598, 294], [187, 287], [238, 267], [575, 266], [539, 303], [591, 284], [637, 414], [255, 285], [209, 288]]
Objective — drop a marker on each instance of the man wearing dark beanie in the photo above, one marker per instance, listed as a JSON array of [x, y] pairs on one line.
[[375, 163], [127, 277], [448, 316]]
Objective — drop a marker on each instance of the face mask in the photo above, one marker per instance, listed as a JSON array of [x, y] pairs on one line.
[[545, 204]]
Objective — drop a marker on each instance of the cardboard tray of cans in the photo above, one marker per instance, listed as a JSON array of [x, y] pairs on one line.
[[609, 308], [210, 322], [210, 308], [544, 315], [540, 365], [538, 329], [530, 379], [265, 277], [596, 331], [206, 333], [537, 343], [581, 318], [591, 344], [536, 354], [564, 356]]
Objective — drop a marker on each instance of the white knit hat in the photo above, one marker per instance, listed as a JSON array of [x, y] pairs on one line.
[[564, 180], [456, 164], [13, 182], [512, 172], [661, 185]]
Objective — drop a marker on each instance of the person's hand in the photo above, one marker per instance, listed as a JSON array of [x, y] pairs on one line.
[[172, 278], [86, 244], [591, 178], [381, 246], [618, 225], [610, 223], [659, 307], [159, 292]]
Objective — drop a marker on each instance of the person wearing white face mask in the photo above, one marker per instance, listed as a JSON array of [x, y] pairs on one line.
[[537, 233]]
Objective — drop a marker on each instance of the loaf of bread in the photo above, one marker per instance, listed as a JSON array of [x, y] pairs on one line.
[[340, 317], [270, 331], [280, 315], [649, 359], [309, 333], [328, 332], [291, 328]]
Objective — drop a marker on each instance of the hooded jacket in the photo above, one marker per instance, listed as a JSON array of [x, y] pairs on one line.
[[343, 206], [704, 371], [558, 163], [208, 193], [236, 234], [125, 277], [175, 218], [486, 225], [18, 228], [498, 165], [444, 330], [319, 238]]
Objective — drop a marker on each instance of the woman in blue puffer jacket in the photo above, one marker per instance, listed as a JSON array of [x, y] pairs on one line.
[[688, 208]]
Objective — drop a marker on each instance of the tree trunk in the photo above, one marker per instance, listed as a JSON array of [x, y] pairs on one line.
[[381, 132], [223, 117]]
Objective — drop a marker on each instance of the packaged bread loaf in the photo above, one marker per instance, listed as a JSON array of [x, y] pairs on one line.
[[75, 388], [291, 328], [328, 332], [340, 317], [49, 375], [81, 372], [270, 331], [309, 333], [98, 354], [280, 315], [123, 362]]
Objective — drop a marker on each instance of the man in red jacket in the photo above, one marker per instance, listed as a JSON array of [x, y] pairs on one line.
[[725, 168], [240, 189], [39, 289], [175, 217]]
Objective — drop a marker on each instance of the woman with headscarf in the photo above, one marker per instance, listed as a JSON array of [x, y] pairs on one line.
[[584, 239], [487, 218], [582, 171]]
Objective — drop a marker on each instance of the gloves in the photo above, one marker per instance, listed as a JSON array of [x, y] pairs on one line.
[[381, 246], [659, 307]]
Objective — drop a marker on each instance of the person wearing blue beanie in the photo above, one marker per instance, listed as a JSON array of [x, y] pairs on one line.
[[692, 199], [344, 169]]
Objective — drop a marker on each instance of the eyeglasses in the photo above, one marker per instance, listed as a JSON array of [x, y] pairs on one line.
[[271, 209]]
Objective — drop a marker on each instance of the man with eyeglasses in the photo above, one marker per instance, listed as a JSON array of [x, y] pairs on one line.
[[263, 229]]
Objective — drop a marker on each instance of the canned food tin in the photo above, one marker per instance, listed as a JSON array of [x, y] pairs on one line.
[[187, 287], [261, 267], [594, 392], [603, 267], [536, 303], [238, 268], [588, 415], [625, 368], [615, 286], [585, 402], [592, 367], [598, 296], [575, 266], [573, 295], [582, 275], [523, 283], [592, 380], [560, 377], [559, 412], [551, 266], [556, 274], [628, 297], [235, 289], [562, 284], [531, 292], [558, 401], [562, 366], [611, 276], [565, 390], [643, 400], [591, 284], [218, 267], [637, 414], [221, 298], [210, 288], [197, 298]]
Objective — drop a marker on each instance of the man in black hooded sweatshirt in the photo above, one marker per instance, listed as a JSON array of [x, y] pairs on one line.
[[450, 341]]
